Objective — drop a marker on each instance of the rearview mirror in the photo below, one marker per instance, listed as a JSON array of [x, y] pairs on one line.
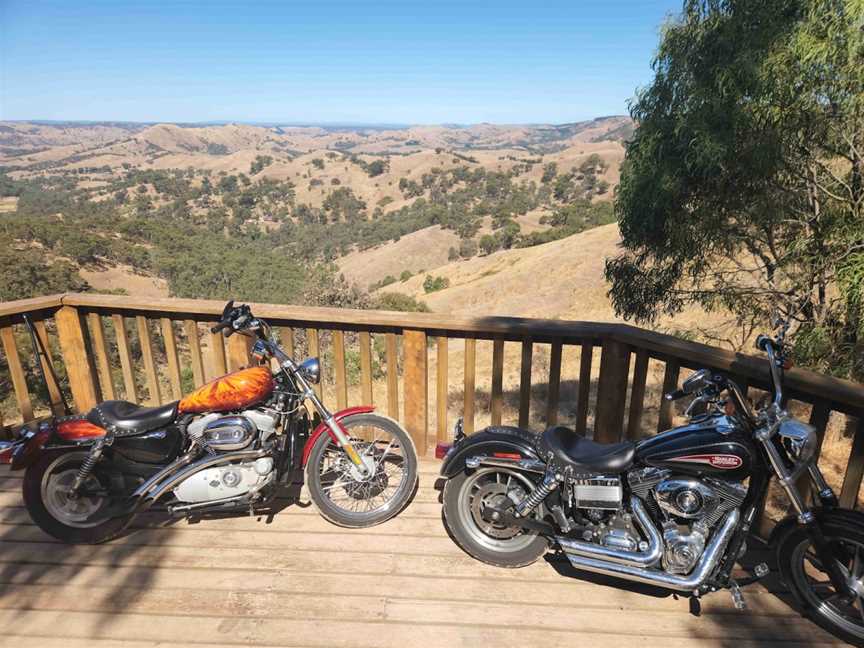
[[696, 381]]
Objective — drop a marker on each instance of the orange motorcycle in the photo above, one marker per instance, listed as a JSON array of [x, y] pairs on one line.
[[230, 446]]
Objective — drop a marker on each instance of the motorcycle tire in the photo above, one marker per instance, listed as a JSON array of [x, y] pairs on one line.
[[70, 521]]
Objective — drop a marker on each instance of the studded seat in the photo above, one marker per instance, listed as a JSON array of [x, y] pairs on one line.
[[584, 455], [126, 419]]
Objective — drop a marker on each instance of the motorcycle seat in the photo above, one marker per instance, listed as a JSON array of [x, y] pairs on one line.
[[125, 418], [587, 456]]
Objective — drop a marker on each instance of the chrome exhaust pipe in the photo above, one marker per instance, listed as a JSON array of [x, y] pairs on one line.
[[646, 558], [171, 475], [704, 568]]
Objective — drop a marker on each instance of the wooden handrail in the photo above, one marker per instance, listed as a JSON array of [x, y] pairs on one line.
[[22, 306]]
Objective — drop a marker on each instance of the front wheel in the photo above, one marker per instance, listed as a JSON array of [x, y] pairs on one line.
[[78, 520], [803, 572], [344, 497], [471, 496]]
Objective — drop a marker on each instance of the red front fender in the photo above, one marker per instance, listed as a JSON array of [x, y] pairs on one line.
[[322, 427]]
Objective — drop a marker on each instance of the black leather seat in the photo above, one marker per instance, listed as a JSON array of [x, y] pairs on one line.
[[125, 418], [584, 455]]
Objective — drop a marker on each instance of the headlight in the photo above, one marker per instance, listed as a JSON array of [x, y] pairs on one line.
[[799, 439], [310, 369]]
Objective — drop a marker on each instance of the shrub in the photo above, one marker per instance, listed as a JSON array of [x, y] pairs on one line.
[[434, 284]]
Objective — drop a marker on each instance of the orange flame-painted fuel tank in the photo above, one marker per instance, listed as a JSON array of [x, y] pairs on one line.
[[232, 391]]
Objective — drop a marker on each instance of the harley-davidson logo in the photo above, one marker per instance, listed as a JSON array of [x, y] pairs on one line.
[[722, 461]]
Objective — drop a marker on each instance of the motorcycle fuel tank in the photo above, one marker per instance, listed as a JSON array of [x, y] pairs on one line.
[[233, 391], [716, 446]]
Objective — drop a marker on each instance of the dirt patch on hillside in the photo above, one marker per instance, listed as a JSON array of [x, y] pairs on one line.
[[122, 277], [425, 249]]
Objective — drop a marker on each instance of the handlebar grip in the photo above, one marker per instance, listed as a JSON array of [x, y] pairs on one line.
[[219, 327], [763, 341], [677, 394]]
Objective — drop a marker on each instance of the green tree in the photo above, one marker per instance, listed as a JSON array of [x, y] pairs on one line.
[[488, 244], [433, 284], [550, 170], [742, 186], [376, 168]]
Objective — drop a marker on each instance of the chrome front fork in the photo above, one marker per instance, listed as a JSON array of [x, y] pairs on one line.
[[365, 469], [806, 517], [787, 480]]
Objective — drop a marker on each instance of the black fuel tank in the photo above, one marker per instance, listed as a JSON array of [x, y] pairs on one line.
[[156, 447], [715, 445]]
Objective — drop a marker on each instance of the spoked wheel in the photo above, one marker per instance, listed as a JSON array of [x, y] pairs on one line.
[[342, 494], [80, 519], [471, 501], [840, 614]]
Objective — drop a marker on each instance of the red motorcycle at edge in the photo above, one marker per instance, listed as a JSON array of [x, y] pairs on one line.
[[229, 446]]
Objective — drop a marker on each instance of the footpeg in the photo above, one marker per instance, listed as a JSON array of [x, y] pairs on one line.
[[759, 571], [737, 596]]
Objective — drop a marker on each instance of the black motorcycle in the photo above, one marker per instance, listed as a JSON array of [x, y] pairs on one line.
[[674, 510]]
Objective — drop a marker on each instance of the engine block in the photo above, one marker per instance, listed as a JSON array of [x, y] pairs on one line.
[[222, 482]]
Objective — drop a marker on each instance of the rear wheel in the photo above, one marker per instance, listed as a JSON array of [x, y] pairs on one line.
[[75, 520], [470, 496], [345, 498]]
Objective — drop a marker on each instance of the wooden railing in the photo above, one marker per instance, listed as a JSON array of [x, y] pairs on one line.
[[122, 347]]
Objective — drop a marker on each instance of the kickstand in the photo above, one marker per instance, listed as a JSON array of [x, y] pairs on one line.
[[695, 606]]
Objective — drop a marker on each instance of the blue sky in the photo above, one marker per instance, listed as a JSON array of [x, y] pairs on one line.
[[320, 61]]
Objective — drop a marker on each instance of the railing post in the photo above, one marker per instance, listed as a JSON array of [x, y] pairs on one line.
[[611, 391], [76, 357], [239, 350], [416, 388], [855, 467]]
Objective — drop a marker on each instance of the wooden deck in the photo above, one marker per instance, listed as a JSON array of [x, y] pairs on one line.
[[300, 581]]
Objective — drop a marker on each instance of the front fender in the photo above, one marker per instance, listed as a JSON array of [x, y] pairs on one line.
[[501, 439], [823, 516], [323, 429]]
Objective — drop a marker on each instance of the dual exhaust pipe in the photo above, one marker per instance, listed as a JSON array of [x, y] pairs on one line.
[[637, 565]]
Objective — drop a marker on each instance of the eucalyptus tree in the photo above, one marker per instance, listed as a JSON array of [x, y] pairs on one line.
[[742, 186]]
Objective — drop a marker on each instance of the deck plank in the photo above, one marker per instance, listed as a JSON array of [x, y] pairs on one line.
[[244, 581]]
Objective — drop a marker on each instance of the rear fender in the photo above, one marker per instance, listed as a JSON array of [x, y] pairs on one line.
[[26, 450], [324, 429], [59, 434], [508, 442]]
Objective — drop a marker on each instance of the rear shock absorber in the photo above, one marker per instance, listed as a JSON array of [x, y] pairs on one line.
[[87, 466], [549, 484]]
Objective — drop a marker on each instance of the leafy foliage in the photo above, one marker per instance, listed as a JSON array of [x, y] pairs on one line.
[[434, 284], [742, 185]]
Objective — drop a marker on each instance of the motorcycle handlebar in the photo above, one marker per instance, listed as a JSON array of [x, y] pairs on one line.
[[676, 395], [763, 342], [219, 327]]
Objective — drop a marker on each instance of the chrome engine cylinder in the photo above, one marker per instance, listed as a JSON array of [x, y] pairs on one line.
[[649, 556], [704, 567]]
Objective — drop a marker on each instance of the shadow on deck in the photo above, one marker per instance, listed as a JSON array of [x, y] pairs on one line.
[[297, 580]]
